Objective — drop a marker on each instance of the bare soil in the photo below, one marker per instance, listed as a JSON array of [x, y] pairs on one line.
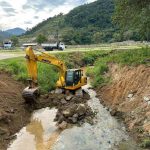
[[15, 113], [128, 97]]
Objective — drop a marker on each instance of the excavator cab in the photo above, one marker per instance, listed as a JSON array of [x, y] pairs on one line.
[[74, 79], [73, 76]]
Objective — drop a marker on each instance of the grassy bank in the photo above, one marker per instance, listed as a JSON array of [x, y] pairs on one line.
[[47, 74], [128, 57], [81, 59]]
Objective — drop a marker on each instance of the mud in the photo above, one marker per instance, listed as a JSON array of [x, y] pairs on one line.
[[40, 134], [99, 136], [15, 113], [128, 97]]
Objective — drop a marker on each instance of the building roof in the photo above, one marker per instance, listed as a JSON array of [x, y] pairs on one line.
[[30, 44]]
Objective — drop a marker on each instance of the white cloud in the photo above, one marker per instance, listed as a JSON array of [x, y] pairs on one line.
[[90, 1], [27, 13]]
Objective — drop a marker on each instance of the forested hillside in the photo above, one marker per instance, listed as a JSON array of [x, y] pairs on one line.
[[87, 24], [90, 23], [133, 15]]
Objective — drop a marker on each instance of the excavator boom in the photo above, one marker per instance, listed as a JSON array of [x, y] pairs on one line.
[[68, 79]]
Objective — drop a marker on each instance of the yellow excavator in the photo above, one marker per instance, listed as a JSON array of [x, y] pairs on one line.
[[70, 80]]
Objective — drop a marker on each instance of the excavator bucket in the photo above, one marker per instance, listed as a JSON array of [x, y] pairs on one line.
[[30, 94]]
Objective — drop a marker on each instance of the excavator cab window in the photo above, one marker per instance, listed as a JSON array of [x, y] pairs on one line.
[[77, 76], [73, 77], [69, 78]]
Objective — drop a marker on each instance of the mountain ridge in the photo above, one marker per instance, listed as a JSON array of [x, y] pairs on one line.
[[10, 32], [16, 31]]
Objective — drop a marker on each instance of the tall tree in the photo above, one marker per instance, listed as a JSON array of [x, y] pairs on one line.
[[41, 38], [134, 14], [15, 40]]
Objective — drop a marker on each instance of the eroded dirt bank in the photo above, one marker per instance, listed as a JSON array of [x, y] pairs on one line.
[[128, 96], [13, 112]]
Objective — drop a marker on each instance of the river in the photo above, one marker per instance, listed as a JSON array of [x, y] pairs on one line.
[[42, 134]]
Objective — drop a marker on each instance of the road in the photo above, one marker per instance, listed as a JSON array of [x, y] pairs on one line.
[[9, 55]]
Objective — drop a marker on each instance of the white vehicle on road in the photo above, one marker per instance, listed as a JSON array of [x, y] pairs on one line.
[[51, 46]]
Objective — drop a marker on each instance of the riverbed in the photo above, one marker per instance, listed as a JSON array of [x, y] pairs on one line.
[[42, 134]]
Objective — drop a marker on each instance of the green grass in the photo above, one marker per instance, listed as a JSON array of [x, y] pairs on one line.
[[47, 74], [125, 57], [81, 59], [16, 67], [145, 143]]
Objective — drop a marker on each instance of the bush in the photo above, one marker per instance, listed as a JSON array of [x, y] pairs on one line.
[[90, 57], [98, 80], [90, 72], [145, 143]]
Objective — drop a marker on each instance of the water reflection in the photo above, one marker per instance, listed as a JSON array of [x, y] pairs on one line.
[[40, 134], [36, 129]]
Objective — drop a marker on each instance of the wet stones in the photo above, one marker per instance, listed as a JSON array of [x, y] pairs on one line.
[[63, 101], [74, 114], [62, 125], [71, 109], [117, 113], [68, 98], [81, 109]]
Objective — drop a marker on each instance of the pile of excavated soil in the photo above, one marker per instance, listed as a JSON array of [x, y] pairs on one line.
[[128, 96], [71, 109], [13, 112]]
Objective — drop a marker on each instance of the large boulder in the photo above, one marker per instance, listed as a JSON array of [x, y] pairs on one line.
[[81, 109]]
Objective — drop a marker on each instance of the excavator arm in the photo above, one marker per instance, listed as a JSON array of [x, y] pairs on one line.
[[49, 59], [32, 91], [69, 80]]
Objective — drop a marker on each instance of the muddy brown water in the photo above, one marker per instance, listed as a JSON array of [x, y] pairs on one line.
[[42, 134], [39, 133]]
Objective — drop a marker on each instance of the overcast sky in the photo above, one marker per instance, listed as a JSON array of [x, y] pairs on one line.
[[27, 13]]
